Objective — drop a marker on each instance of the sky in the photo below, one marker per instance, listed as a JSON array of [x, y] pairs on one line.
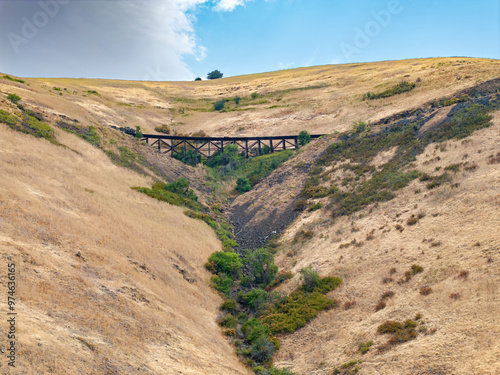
[[162, 40]]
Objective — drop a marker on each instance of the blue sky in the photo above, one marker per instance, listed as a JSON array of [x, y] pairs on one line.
[[182, 39]]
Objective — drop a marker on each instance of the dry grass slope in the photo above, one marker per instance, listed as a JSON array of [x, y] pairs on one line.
[[109, 281], [455, 241]]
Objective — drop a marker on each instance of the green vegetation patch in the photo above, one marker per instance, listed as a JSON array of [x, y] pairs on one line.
[[395, 90], [7, 118], [13, 79], [295, 311], [360, 147], [30, 125], [88, 134], [176, 193]]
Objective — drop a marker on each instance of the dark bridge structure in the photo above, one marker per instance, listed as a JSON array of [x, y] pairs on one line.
[[208, 146]]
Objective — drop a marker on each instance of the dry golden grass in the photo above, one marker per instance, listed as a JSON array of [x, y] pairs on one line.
[[325, 110], [99, 286], [461, 314], [100, 282]]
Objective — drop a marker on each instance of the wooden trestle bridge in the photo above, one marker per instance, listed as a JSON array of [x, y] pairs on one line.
[[207, 146]]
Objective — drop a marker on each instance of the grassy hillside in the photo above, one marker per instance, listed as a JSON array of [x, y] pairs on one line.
[[400, 202], [109, 281]]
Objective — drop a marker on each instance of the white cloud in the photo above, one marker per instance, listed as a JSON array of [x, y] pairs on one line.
[[229, 5], [109, 39]]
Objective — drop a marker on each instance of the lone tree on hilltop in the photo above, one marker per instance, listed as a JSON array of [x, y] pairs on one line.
[[214, 75]]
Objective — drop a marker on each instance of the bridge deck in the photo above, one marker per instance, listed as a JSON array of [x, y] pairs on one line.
[[207, 146]]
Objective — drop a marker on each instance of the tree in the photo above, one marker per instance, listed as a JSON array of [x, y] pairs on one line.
[[304, 138], [197, 79], [214, 74], [138, 133]]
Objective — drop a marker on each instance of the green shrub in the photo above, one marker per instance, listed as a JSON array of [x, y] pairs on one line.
[[229, 305], [295, 311], [254, 95], [237, 100], [13, 79], [138, 133], [225, 263], [315, 206], [228, 321], [304, 138], [165, 129], [415, 269], [395, 90], [364, 347], [254, 299], [262, 350], [13, 98], [243, 185], [92, 92], [260, 267], [7, 118], [327, 284], [222, 283], [190, 157], [177, 193], [197, 79], [253, 329], [219, 104], [181, 187], [310, 279]]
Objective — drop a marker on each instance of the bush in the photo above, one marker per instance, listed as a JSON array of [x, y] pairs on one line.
[[165, 129], [13, 98], [260, 267], [262, 350], [310, 279], [13, 79], [304, 138], [190, 157], [219, 104], [300, 205], [243, 185], [253, 299], [237, 100], [229, 321], [398, 89], [254, 95], [401, 332], [222, 283], [295, 311], [229, 305], [416, 269], [225, 263], [7, 118], [364, 347], [181, 187], [215, 74], [138, 133], [197, 79]]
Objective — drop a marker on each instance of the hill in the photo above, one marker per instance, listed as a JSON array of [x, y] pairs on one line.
[[399, 206]]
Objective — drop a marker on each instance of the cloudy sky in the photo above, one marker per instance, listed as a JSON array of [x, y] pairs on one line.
[[183, 39]]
